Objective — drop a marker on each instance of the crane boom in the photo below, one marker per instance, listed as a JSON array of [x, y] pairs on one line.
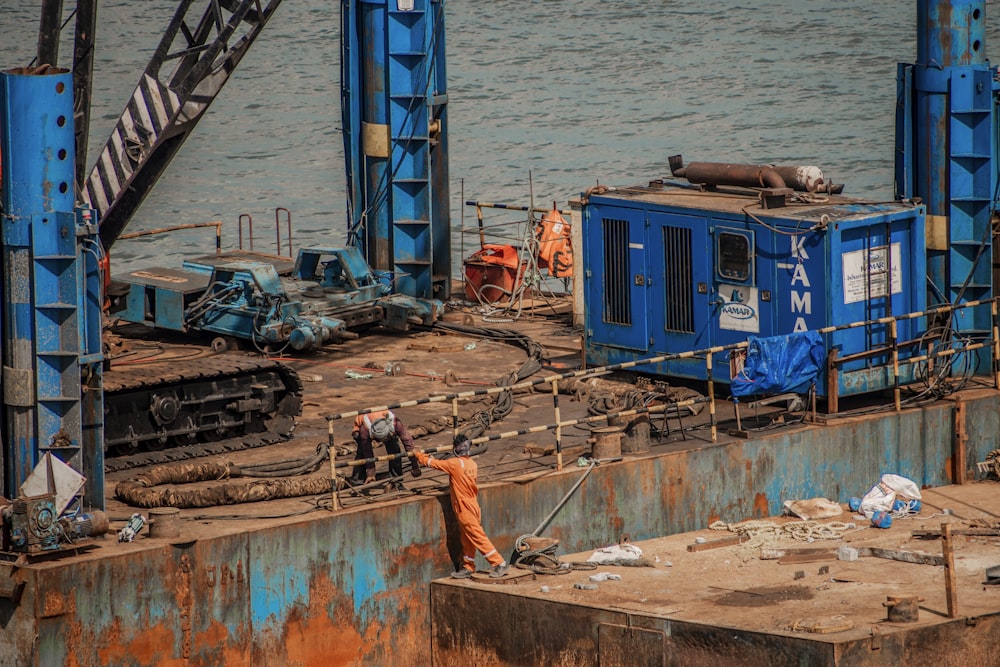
[[165, 107]]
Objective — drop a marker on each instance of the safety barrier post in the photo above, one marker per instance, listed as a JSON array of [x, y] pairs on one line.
[[454, 416], [895, 364], [239, 224], [277, 228], [711, 398], [479, 221], [555, 403], [332, 451], [996, 346]]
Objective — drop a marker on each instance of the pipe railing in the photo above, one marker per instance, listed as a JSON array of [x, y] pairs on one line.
[[707, 353], [176, 228]]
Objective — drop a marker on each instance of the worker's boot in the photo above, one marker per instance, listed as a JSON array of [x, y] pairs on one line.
[[414, 467], [499, 571]]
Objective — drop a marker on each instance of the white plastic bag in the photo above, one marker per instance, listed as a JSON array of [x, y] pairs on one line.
[[881, 496]]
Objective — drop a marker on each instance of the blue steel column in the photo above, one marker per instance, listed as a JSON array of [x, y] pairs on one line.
[[440, 178], [37, 145], [950, 44], [375, 114], [51, 316], [394, 103]]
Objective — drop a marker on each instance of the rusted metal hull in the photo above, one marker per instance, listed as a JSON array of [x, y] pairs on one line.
[[353, 588], [476, 626]]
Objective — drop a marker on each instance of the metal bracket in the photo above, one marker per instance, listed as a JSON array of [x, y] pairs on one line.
[[18, 387], [876, 644]]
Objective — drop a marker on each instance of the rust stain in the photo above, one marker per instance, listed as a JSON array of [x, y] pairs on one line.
[[949, 469], [321, 635], [409, 639], [760, 505], [713, 517], [214, 635], [215, 639], [153, 646], [185, 602], [56, 604], [413, 553]]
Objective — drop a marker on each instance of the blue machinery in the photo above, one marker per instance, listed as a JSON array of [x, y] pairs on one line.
[[946, 151], [394, 106], [51, 288], [394, 127], [328, 295], [678, 267], [677, 270]]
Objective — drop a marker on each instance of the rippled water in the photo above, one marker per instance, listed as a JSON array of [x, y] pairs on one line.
[[570, 93]]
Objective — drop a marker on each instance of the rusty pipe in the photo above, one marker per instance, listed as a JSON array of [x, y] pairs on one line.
[[805, 179]]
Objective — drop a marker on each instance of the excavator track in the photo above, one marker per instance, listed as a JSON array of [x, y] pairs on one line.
[[158, 410]]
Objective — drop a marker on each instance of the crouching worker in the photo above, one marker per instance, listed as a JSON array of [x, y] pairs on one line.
[[384, 427], [463, 476]]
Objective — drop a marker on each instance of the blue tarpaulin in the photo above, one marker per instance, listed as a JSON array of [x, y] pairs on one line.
[[780, 364]]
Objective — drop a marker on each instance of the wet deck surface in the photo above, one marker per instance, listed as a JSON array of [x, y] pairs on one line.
[[827, 600]]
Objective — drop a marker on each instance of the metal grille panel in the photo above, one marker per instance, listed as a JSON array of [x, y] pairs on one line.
[[678, 307], [617, 290]]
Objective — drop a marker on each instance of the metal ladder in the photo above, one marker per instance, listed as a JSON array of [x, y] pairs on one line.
[[970, 183], [411, 37]]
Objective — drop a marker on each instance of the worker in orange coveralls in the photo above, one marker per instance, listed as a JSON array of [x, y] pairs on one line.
[[386, 428], [463, 474]]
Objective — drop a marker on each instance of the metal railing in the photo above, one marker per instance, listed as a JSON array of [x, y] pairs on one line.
[[277, 230], [559, 424], [176, 228]]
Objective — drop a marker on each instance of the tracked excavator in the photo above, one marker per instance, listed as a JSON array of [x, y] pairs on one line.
[[139, 404], [134, 400]]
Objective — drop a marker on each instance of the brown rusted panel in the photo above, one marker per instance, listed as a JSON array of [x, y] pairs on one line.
[[473, 626], [147, 607], [623, 646], [693, 645], [961, 642], [351, 588]]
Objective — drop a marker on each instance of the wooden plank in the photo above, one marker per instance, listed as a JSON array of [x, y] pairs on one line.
[[948, 555], [902, 556], [807, 558], [960, 443], [715, 544], [774, 554], [967, 532]]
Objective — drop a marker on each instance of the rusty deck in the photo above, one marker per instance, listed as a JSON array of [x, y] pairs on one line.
[[775, 602]]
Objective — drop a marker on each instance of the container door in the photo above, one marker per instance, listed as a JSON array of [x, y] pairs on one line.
[[738, 302], [679, 304], [617, 278]]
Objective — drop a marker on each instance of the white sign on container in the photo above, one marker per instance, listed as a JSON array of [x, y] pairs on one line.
[[867, 273]]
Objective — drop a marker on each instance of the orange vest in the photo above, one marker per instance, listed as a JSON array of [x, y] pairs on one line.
[[555, 251]]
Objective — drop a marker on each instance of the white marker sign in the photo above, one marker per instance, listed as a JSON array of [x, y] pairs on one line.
[[867, 273]]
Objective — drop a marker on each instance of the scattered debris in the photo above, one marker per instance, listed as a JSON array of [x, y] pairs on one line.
[[620, 554], [132, 528], [701, 544], [814, 508], [822, 626]]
